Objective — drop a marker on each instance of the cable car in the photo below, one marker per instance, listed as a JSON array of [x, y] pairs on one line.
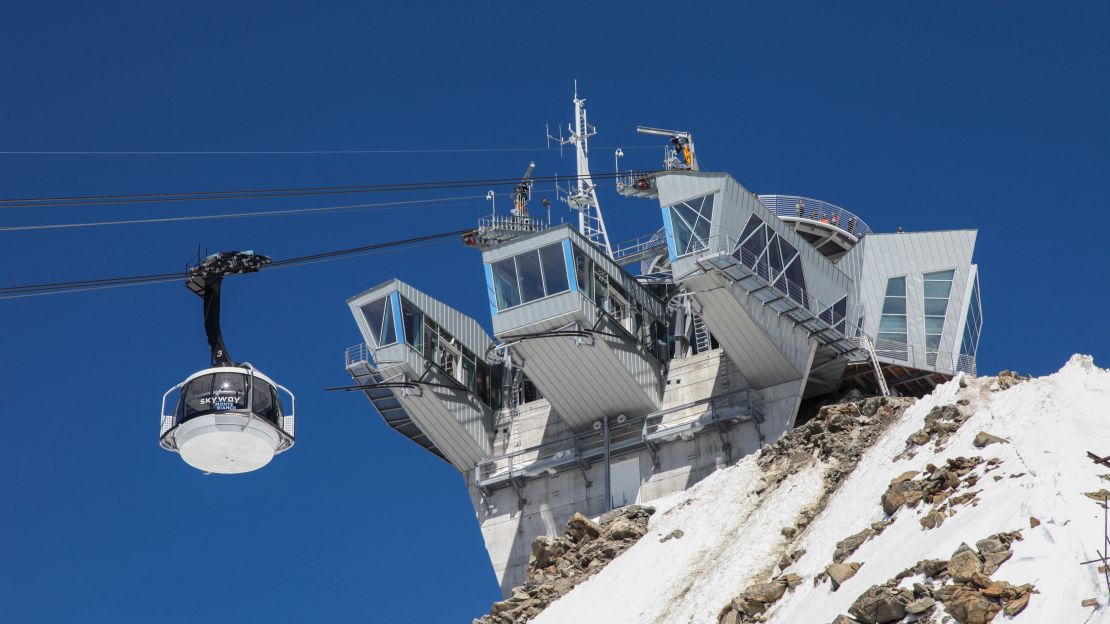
[[228, 418]]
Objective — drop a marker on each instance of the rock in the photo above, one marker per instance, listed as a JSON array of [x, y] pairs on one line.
[[791, 580], [765, 593], [992, 561], [1033, 522], [996, 589], [1090, 602], [623, 528], [878, 605], [580, 528], [844, 619], [970, 607], [984, 439], [918, 438], [1100, 496], [675, 534], [848, 545], [788, 532], [989, 545], [982, 581], [932, 568], [840, 572], [921, 605], [730, 617], [545, 550], [932, 520], [963, 564], [1017, 605]]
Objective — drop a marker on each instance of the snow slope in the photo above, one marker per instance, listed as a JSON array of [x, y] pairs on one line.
[[732, 535]]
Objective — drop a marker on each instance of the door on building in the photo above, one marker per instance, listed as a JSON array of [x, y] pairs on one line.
[[624, 482]]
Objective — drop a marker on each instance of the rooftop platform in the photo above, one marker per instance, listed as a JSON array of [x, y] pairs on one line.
[[832, 230]]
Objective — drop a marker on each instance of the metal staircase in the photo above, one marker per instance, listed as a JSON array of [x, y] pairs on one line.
[[869, 346], [702, 342]]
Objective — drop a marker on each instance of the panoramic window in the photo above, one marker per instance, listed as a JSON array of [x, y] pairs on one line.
[[690, 223], [379, 318], [763, 251], [529, 276], [937, 288], [892, 324]]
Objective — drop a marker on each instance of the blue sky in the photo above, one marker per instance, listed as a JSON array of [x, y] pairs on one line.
[[988, 115]]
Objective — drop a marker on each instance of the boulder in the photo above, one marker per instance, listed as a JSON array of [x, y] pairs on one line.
[[765, 593], [921, 605], [971, 607], [840, 572], [844, 619], [1017, 605], [623, 528], [963, 564], [984, 439], [580, 528], [993, 560], [878, 605], [849, 545]]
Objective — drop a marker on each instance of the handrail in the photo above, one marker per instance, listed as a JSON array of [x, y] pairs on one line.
[[786, 206]]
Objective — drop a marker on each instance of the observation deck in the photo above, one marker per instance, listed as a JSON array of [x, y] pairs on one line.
[[589, 336], [436, 364], [830, 228]]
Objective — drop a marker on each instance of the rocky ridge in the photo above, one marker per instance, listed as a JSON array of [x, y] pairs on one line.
[[558, 564]]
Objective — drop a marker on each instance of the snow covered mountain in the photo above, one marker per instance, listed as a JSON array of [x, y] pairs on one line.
[[976, 503]]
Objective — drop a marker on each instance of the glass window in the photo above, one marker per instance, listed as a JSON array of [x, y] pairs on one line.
[[554, 269], [374, 313], [413, 319], [936, 307], [389, 331], [892, 324], [937, 288], [894, 305], [262, 401], [217, 392], [531, 279], [504, 284], [690, 224], [834, 314], [973, 323]]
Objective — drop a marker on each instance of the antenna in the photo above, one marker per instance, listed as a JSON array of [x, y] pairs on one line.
[[591, 224]]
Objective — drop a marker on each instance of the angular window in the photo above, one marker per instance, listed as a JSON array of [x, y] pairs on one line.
[[690, 224], [772, 258], [531, 279], [554, 269], [413, 319], [835, 314], [504, 284], [892, 325], [379, 318], [937, 287], [533, 275]]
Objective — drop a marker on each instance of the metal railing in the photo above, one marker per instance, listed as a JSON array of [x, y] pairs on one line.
[[633, 250], [658, 425], [356, 354], [917, 356], [636, 181], [512, 223], [787, 206]]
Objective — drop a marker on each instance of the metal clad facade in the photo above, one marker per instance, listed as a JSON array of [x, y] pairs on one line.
[[454, 420], [880, 257]]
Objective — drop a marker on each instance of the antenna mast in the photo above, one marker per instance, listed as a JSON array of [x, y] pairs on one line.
[[590, 222]]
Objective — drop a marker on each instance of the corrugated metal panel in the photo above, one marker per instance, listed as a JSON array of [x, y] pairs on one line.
[[584, 383], [766, 355]]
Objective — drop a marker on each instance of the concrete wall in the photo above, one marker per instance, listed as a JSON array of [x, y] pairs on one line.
[[549, 502]]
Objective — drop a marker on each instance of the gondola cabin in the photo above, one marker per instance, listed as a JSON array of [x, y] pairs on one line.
[[227, 420]]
